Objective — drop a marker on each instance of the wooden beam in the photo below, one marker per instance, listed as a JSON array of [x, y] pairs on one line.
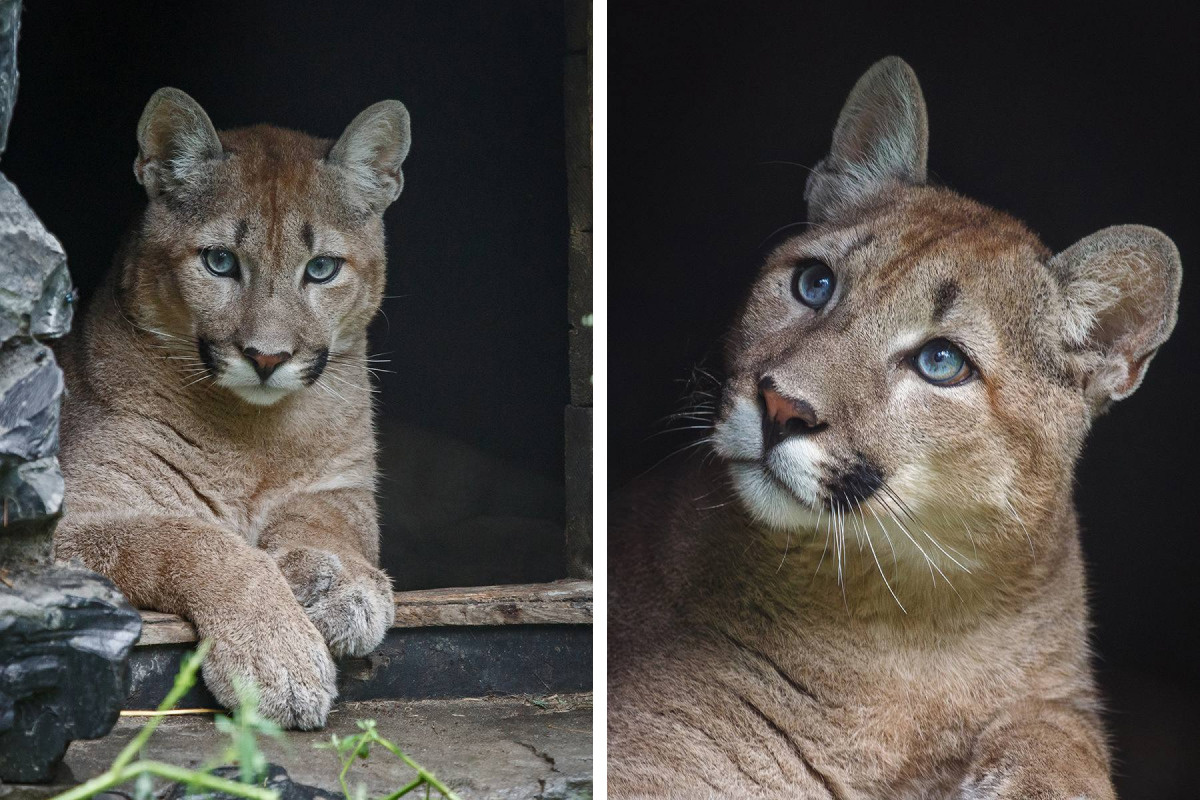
[[557, 603]]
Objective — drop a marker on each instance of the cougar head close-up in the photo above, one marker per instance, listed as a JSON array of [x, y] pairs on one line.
[[260, 259], [916, 362]]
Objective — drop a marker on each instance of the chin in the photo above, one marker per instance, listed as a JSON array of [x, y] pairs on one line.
[[260, 395], [770, 502]]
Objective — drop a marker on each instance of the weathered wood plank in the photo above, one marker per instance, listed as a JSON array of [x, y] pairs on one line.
[[557, 603]]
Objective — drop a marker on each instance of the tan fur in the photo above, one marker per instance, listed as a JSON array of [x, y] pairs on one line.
[[254, 519], [781, 626]]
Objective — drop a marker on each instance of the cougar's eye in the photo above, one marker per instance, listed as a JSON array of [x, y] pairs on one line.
[[813, 283], [220, 262], [322, 269], [941, 363]]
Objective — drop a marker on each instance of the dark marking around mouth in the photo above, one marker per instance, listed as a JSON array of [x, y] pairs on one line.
[[204, 348], [314, 369], [848, 486], [943, 299], [306, 233], [243, 227]]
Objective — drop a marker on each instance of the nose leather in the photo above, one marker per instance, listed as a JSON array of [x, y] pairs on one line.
[[264, 363], [784, 417]]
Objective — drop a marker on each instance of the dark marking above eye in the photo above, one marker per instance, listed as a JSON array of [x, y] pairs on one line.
[[860, 244], [243, 227], [306, 233], [943, 299]]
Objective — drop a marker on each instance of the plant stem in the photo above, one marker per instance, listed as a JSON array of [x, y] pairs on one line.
[[425, 774], [183, 681], [116, 776], [405, 790]]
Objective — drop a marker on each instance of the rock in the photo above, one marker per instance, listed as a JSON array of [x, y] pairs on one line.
[[10, 27], [31, 485], [35, 289], [65, 637], [36, 302], [65, 632], [277, 779]]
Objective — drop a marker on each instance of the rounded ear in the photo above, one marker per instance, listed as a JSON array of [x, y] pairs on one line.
[[175, 139], [881, 138], [1121, 287], [371, 150]]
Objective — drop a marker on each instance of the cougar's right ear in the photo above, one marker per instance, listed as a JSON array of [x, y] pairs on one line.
[[175, 139], [881, 139]]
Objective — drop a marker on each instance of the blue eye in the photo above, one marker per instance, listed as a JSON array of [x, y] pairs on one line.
[[322, 269], [813, 283], [220, 262], [940, 362]]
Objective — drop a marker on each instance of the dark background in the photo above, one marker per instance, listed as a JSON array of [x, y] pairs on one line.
[[1070, 122], [471, 421]]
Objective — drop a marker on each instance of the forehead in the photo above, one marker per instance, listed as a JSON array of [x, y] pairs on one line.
[[930, 263], [272, 176], [928, 251]]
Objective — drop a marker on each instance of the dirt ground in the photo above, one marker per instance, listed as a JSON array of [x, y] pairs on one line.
[[494, 748]]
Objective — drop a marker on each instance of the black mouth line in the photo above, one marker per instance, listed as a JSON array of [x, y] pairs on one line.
[[854, 484], [314, 370], [204, 348]]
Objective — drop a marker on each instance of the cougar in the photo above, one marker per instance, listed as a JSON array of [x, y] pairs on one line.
[[217, 435], [873, 587]]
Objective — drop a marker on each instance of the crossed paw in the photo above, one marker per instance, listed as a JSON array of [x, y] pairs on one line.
[[349, 602], [286, 646]]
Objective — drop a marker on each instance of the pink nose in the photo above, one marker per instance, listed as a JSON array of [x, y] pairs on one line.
[[264, 363], [784, 417]]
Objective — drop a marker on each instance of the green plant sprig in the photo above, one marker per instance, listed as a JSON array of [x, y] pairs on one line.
[[359, 746]]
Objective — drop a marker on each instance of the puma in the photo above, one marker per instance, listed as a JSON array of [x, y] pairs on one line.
[[874, 587], [217, 436]]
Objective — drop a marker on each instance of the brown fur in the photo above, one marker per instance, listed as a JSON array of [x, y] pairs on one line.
[[254, 519], [781, 625]]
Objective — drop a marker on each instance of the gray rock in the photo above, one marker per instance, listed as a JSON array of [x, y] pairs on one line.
[[35, 289], [65, 637], [10, 27], [31, 485], [277, 779], [36, 301]]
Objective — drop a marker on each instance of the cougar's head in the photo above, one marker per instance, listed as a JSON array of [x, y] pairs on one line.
[[260, 256], [917, 365]]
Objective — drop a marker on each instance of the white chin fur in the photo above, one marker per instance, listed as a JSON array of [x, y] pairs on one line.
[[260, 395], [768, 502]]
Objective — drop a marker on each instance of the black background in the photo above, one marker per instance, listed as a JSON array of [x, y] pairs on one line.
[[476, 321], [1070, 121]]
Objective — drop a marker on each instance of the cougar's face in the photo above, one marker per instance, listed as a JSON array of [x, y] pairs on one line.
[[902, 371], [272, 272]]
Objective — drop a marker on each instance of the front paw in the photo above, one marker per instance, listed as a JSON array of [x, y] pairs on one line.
[[282, 655], [350, 603]]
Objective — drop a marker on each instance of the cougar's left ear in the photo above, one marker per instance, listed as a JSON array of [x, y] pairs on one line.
[[881, 139], [371, 150], [1121, 287]]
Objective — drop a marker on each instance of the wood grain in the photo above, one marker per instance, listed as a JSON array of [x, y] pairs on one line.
[[557, 603]]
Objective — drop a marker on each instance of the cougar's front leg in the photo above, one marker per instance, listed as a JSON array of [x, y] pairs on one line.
[[327, 546], [1041, 751], [232, 592]]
